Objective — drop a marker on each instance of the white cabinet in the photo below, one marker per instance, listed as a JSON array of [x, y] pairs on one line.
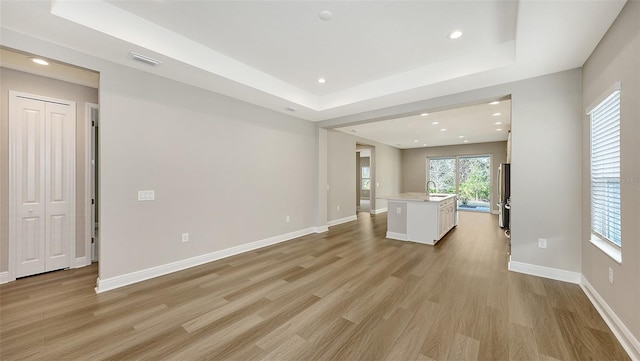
[[447, 216], [426, 221]]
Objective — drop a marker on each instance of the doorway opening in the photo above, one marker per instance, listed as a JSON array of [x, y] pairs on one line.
[[47, 174], [365, 179], [467, 176]]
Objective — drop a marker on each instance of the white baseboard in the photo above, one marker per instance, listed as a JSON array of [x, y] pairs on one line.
[[4, 277], [379, 210], [546, 272], [134, 277], [398, 236], [622, 333], [335, 222], [321, 229], [82, 262]]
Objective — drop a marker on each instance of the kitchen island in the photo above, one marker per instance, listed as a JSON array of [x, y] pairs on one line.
[[413, 217]]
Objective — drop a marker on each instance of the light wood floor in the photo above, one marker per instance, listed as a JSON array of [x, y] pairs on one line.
[[348, 294]]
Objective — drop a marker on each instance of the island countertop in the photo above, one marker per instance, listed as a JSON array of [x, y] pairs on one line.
[[417, 197]]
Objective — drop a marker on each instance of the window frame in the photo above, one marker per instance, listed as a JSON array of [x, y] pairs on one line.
[[363, 178], [609, 247]]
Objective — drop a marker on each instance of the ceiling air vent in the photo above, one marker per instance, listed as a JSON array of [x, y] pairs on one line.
[[145, 59]]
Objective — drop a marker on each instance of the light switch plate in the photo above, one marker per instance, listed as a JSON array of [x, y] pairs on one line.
[[149, 195], [542, 243]]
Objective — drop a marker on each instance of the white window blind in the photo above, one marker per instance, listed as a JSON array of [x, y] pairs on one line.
[[605, 170]]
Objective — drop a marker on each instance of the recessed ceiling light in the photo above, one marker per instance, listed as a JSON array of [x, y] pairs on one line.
[[455, 35], [415, 141], [325, 15], [461, 136], [496, 114], [435, 123], [499, 129], [424, 114], [424, 144], [494, 103], [443, 129], [39, 61], [466, 141], [497, 123], [322, 80]]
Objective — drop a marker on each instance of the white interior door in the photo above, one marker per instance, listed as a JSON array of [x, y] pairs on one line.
[[28, 120], [42, 177]]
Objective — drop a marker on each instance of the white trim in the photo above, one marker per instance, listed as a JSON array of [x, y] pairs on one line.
[[397, 236], [81, 262], [88, 180], [4, 277], [335, 222], [608, 248], [495, 212], [321, 229], [145, 274], [546, 272], [622, 333], [379, 210]]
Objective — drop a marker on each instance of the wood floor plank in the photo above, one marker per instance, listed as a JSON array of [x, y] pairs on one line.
[[410, 342], [522, 343], [346, 294], [463, 348], [545, 327], [494, 342]]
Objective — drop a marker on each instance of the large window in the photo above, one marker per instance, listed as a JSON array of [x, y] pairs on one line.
[[605, 172], [467, 176]]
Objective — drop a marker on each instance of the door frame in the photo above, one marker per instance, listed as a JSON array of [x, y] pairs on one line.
[[89, 219], [12, 186]]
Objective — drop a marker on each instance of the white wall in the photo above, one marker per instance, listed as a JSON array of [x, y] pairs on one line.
[[388, 169], [546, 170], [617, 58], [341, 173], [221, 170]]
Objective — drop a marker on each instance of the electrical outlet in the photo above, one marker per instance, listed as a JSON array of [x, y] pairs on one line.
[[287, 219], [610, 275], [398, 210], [185, 237], [542, 243], [338, 208]]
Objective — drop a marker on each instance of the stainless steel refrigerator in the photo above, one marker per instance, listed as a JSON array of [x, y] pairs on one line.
[[504, 195]]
